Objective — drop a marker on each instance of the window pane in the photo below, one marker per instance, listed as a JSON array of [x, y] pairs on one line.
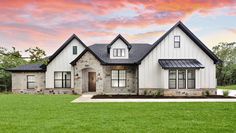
[[122, 52], [172, 74], [74, 49], [58, 75], [31, 85], [58, 83], [115, 52], [30, 78], [177, 38], [177, 44], [191, 84], [182, 84], [172, 84], [66, 75], [191, 79], [191, 74], [122, 74], [114, 83], [114, 74], [118, 52], [122, 83]]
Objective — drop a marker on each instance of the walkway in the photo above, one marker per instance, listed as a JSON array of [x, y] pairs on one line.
[[86, 98]]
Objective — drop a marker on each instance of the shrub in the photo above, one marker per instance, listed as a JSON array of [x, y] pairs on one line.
[[145, 92], [157, 93], [225, 93], [207, 93]]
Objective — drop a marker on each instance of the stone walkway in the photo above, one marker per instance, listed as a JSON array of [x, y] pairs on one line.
[[86, 98]]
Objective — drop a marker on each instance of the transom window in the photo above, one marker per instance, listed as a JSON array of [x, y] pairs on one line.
[[74, 50], [118, 52], [118, 78], [62, 79], [31, 82], [177, 41]]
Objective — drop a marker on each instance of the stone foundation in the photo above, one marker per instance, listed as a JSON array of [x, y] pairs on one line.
[[177, 92], [45, 91]]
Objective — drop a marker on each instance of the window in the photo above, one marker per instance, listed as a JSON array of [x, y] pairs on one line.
[[191, 79], [177, 41], [181, 79], [31, 82], [62, 79], [172, 79], [74, 50], [118, 78], [118, 52]]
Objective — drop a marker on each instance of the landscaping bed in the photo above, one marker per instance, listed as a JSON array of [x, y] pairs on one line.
[[156, 97]]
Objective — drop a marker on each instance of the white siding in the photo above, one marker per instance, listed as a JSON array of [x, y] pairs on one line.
[[151, 75], [119, 44], [62, 63]]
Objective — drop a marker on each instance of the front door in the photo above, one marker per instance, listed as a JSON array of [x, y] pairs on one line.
[[91, 81]]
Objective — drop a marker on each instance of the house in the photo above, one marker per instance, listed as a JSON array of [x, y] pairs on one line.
[[177, 64]]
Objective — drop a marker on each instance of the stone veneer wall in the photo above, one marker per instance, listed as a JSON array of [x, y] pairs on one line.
[[19, 81], [131, 80], [85, 62]]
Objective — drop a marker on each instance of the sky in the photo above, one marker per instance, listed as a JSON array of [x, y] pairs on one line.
[[49, 23]]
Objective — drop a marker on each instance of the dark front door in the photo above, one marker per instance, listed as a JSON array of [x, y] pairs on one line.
[[91, 81]]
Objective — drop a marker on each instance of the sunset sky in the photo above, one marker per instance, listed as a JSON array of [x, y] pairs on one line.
[[47, 24]]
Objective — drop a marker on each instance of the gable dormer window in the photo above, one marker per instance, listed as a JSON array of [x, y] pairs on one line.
[[176, 41], [119, 52]]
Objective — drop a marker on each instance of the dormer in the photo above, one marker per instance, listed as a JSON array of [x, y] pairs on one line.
[[119, 48]]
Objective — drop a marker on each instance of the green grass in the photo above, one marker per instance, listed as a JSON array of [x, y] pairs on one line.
[[55, 113], [229, 87]]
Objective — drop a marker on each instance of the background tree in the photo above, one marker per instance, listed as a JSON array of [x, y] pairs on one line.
[[36, 54], [226, 71], [9, 59]]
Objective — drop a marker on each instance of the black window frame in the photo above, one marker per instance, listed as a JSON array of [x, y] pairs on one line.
[[173, 79], [118, 79], [117, 51], [75, 50], [62, 80], [192, 79], [184, 78], [27, 82], [176, 42]]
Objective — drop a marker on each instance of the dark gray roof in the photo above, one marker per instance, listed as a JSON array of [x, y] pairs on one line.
[[135, 54], [180, 63], [27, 68]]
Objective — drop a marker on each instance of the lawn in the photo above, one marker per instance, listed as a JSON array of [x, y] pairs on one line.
[[229, 87], [55, 113]]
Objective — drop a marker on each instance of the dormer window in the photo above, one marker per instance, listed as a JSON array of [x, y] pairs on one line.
[[119, 52], [176, 41]]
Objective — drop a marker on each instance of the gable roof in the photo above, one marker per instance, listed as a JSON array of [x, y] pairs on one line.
[[118, 37], [191, 36], [64, 45], [27, 68], [98, 50]]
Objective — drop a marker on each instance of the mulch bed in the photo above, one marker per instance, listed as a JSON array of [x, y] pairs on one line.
[[154, 97]]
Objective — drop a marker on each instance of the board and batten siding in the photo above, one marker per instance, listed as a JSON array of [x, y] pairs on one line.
[[62, 63], [119, 44], [151, 75]]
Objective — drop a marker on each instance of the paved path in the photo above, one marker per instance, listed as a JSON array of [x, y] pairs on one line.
[[86, 98]]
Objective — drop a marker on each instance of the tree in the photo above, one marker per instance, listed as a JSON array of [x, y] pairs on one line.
[[36, 54], [9, 59], [226, 71]]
